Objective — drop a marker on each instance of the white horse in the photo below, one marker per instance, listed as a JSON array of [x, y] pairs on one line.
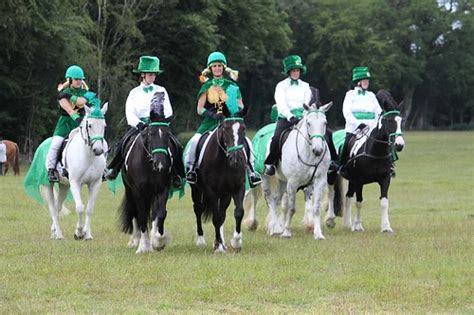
[[304, 162], [84, 158]]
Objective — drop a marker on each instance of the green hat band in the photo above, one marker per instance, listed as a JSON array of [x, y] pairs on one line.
[[360, 73], [293, 62], [148, 64]]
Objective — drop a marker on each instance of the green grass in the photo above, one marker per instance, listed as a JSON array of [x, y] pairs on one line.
[[425, 266]]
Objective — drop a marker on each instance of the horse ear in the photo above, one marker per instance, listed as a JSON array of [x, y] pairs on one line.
[[326, 107], [306, 107], [401, 106], [88, 109], [104, 108]]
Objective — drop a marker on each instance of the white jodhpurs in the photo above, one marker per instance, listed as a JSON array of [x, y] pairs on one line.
[[52, 157], [190, 156]]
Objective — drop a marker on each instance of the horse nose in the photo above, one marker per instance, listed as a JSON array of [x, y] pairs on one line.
[[317, 151], [399, 144]]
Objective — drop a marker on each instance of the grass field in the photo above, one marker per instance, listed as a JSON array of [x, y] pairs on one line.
[[426, 266]]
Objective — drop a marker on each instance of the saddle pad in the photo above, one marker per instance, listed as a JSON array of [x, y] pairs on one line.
[[338, 137], [260, 143]]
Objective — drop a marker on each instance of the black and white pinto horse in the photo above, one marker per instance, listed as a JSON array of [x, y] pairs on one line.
[[221, 178], [147, 178], [370, 161]]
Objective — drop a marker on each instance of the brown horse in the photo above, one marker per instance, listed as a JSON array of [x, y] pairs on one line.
[[13, 156]]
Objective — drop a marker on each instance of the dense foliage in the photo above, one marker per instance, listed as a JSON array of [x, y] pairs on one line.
[[420, 50]]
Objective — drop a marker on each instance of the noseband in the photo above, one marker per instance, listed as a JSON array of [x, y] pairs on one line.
[[157, 150], [229, 150], [87, 138]]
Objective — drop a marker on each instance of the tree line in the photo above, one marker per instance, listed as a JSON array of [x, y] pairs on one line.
[[420, 50]]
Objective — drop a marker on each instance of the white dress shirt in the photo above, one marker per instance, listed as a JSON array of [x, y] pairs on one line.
[[289, 97], [355, 102], [3, 152], [139, 102]]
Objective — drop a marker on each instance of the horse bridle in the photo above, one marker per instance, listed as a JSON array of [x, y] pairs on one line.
[[157, 150], [231, 149], [310, 137], [88, 139]]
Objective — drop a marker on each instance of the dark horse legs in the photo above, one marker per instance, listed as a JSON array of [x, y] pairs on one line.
[[198, 211]]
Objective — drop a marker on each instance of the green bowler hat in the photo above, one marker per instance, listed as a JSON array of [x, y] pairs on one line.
[[148, 64], [293, 62], [360, 73]]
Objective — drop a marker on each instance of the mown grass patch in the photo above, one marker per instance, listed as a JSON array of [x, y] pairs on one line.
[[425, 266]]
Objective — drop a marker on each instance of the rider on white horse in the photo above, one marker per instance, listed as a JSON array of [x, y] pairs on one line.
[[290, 96], [360, 109], [72, 96], [213, 99], [137, 111]]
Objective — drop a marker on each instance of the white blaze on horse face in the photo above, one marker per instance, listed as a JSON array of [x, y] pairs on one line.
[[399, 141], [235, 132], [316, 129]]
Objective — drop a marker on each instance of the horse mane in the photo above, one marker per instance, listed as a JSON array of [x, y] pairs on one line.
[[386, 100], [315, 97], [157, 108]]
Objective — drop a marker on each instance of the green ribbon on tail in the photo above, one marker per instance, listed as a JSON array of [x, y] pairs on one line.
[[38, 174]]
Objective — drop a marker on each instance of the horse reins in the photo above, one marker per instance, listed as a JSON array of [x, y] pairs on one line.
[[389, 142]]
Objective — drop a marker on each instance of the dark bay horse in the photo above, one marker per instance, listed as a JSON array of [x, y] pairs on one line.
[[370, 160], [13, 156], [221, 178], [147, 176]]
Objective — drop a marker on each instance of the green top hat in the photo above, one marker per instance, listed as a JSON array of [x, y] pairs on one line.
[[148, 64], [359, 73], [216, 57], [293, 62]]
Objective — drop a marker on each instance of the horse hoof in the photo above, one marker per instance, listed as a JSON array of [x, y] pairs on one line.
[[236, 244], [78, 237], [286, 234], [252, 226], [330, 223], [133, 243], [308, 229], [219, 248], [387, 230], [201, 242], [319, 237]]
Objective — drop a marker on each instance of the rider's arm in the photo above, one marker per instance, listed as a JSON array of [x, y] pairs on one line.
[[280, 100], [347, 108], [132, 119], [201, 103]]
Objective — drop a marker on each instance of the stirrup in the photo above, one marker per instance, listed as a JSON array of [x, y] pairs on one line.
[[177, 182], [254, 179], [270, 170], [110, 174], [53, 175], [191, 177]]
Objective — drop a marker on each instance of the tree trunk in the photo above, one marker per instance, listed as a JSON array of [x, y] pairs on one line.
[[408, 92]]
